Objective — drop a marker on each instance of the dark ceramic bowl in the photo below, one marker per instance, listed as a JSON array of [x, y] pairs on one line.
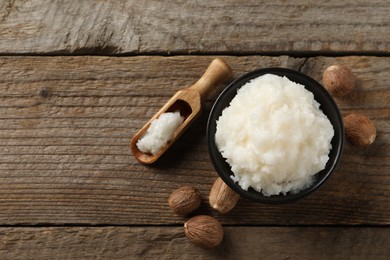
[[327, 105]]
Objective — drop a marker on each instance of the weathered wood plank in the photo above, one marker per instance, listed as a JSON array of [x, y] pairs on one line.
[[131, 27], [66, 123], [171, 243]]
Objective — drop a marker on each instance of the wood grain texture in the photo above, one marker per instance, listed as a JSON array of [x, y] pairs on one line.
[[181, 27], [171, 243], [66, 124]]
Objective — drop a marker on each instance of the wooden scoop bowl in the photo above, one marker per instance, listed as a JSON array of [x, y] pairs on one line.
[[188, 102]]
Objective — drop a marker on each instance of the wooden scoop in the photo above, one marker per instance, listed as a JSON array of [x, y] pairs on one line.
[[188, 102]]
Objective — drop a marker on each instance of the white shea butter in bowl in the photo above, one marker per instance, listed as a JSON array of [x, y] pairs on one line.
[[274, 136]]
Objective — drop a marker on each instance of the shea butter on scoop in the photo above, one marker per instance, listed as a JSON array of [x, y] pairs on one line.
[[274, 136], [160, 132]]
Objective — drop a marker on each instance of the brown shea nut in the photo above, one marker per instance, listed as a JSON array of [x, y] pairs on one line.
[[204, 231], [359, 129], [222, 198], [338, 80], [184, 200]]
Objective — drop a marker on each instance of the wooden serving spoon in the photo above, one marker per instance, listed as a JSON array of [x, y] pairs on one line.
[[188, 102]]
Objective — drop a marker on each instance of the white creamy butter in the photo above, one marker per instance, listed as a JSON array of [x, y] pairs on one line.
[[160, 132], [274, 136]]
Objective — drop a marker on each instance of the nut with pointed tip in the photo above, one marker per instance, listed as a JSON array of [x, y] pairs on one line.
[[204, 231], [338, 80], [359, 129], [184, 200], [222, 198]]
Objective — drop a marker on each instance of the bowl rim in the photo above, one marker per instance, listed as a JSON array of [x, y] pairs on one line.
[[216, 157]]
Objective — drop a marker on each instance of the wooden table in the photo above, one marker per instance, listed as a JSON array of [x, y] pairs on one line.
[[79, 78]]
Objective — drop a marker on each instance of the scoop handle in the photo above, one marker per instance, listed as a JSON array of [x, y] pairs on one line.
[[217, 72]]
